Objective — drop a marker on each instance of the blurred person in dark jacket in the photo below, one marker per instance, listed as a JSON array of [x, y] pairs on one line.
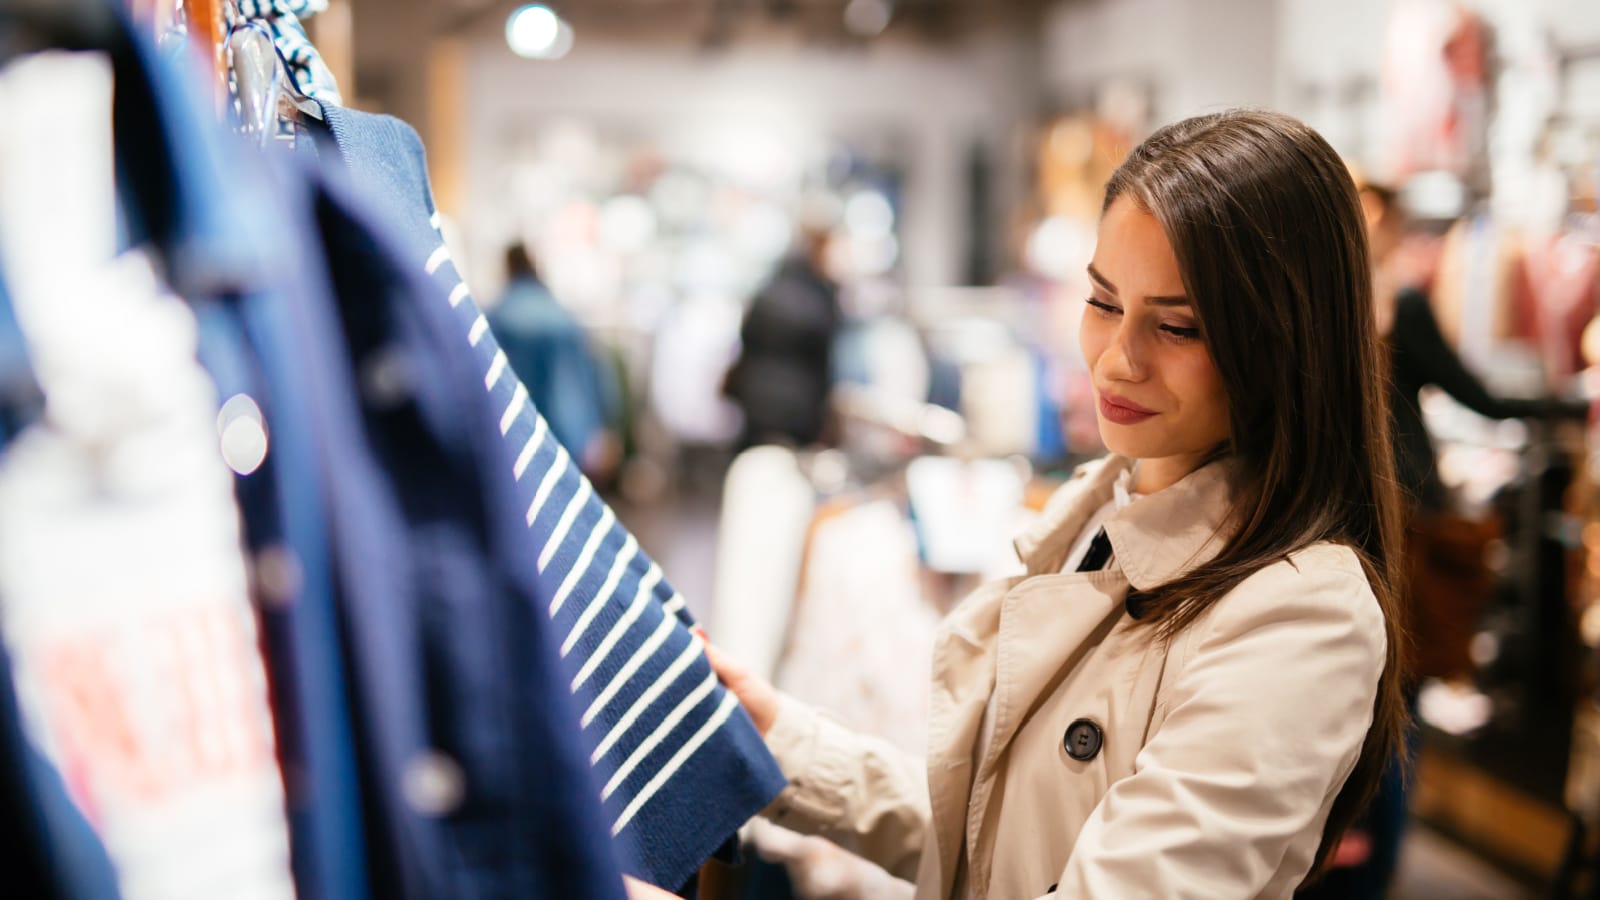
[[549, 350], [1420, 356], [783, 376]]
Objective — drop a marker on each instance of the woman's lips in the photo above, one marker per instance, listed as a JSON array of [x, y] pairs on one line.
[[1123, 411]]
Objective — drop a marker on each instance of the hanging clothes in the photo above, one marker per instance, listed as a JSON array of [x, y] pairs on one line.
[[860, 647], [480, 776], [203, 211], [51, 853], [1556, 294], [767, 507], [681, 766], [125, 602], [469, 778]]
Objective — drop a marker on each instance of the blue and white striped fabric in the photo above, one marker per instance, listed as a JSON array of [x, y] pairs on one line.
[[682, 767], [282, 19]]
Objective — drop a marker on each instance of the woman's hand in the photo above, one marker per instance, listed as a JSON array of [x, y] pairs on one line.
[[758, 698]]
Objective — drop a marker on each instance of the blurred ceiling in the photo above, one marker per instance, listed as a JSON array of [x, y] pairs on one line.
[[717, 23], [392, 39]]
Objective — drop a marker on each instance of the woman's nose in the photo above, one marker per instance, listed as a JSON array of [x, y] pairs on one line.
[[1123, 357]]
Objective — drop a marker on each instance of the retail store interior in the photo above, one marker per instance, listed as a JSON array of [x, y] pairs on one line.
[[797, 285]]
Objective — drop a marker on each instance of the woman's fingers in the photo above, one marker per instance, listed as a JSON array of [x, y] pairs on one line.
[[759, 699]]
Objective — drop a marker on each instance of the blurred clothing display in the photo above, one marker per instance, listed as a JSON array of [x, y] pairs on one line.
[[550, 353], [860, 646], [1501, 287], [961, 510], [862, 634], [767, 507], [680, 768], [783, 375], [838, 594], [53, 853], [693, 348], [126, 611], [1420, 356], [1557, 292], [318, 579], [1436, 89], [107, 655]]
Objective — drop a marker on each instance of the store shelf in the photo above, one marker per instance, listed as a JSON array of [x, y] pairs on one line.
[[1502, 822]]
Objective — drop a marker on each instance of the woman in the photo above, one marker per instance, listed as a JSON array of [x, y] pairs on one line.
[[1194, 687]]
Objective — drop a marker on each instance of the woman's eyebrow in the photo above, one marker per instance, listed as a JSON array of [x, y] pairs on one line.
[[1108, 287], [1104, 282]]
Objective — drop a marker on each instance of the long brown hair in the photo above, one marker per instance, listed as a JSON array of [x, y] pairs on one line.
[[1268, 232]]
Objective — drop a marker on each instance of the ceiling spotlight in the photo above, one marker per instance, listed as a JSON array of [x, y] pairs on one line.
[[868, 18], [536, 32]]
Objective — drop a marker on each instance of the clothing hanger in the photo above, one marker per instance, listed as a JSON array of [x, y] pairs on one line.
[[257, 77], [293, 100], [266, 87]]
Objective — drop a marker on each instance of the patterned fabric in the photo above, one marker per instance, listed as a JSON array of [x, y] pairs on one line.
[[282, 19]]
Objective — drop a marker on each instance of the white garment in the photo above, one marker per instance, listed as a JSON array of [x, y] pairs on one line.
[[767, 504], [860, 647], [966, 512], [123, 591]]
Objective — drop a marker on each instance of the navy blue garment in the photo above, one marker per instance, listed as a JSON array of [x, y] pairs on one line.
[[468, 777], [478, 766], [50, 851], [20, 398], [204, 216], [681, 765]]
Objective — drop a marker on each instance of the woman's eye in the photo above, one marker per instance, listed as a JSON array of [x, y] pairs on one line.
[[1103, 307], [1180, 331]]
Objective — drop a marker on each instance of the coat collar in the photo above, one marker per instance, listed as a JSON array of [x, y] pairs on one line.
[[1155, 539]]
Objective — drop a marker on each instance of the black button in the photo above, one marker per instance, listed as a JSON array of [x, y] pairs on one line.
[[1083, 740]]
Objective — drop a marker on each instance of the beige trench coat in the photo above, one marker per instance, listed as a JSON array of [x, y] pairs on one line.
[[1221, 753]]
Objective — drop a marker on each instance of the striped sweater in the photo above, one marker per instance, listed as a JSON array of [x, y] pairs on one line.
[[681, 766]]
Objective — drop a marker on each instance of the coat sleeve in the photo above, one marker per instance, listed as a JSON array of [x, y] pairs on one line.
[[860, 792], [1265, 722]]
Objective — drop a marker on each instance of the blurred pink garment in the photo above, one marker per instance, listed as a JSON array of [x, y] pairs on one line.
[[1556, 298], [1434, 89]]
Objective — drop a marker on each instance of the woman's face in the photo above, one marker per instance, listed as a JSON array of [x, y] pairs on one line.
[[1158, 396]]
